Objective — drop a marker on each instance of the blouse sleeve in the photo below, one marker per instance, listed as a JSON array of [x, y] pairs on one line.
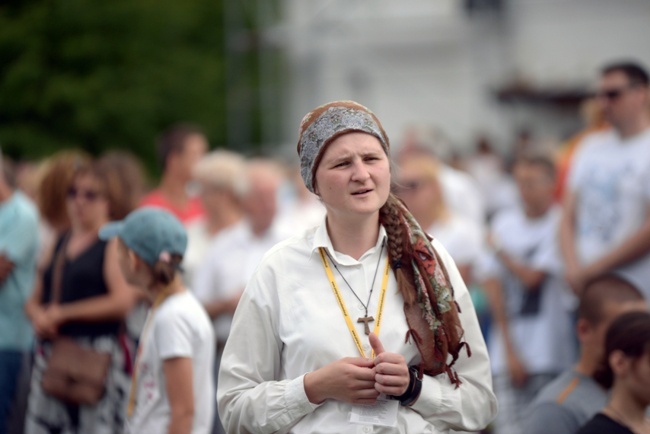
[[472, 405], [249, 398]]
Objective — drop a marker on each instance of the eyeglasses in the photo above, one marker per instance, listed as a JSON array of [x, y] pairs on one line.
[[613, 94], [88, 195]]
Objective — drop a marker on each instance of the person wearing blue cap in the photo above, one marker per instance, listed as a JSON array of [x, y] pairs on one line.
[[171, 390]]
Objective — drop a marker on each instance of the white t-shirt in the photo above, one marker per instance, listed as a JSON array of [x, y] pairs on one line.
[[611, 180], [231, 259], [541, 329], [462, 194], [462, 238], [198, 242], [288, 323], [179, 327]]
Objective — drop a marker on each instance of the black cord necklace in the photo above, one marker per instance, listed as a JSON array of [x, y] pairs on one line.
[[365, 319]]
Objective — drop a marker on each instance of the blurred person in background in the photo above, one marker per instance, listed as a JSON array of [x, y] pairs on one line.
[[626, 371], [18, 253], [235, 252], [302, 210], [179, 148], [606, 221], [27, 177], [54, 179], [531, 339], [129, 185], [418, 185], [172, 391], [219, 177], [592, 115], [497, 188], [573, 397], [94, 301], [460, 189]]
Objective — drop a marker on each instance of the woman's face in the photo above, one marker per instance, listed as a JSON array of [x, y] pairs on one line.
[[86, 201], [418, 189], [353, 177]]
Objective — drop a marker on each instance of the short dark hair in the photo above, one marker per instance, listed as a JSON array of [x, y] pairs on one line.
[[634, 72], [604, 289], [538, 159], [172, 140], [629, 333]]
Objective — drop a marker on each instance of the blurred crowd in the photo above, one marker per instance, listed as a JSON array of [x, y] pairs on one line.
[[553, 243]]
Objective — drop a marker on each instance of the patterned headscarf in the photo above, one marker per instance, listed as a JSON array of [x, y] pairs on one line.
[[324, 124], [429, 306]]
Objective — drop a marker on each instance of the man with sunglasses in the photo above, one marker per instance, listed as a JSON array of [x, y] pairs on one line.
[[606, 221]]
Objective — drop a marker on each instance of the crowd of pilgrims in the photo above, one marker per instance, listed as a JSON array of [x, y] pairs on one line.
[[542, 307]]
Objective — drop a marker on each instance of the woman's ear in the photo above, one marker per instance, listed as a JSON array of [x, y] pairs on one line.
[[583, 329], [619, 363], [134, 261]]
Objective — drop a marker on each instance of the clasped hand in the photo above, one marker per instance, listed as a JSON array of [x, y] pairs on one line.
[[358, 380], [46, 321]]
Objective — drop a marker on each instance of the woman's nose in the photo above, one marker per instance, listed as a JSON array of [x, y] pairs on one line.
[[360, 171]]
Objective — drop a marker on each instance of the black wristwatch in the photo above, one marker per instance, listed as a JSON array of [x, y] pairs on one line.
[[413, 390]]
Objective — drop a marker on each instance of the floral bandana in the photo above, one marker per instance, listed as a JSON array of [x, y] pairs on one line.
[[327, 122], [431, 312]]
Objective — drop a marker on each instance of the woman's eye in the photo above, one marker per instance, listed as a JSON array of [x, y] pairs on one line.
[[341, 164]]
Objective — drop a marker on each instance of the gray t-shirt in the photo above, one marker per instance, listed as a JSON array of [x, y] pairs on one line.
[[565, 404]]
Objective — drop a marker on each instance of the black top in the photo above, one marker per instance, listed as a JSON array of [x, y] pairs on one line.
[[82, 278], [603, 424]]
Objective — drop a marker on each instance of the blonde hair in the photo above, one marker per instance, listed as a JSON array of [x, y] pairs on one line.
[[430, 168], [221, 169], [260, 169]]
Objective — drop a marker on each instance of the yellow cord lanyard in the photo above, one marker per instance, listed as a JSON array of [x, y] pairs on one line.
[[164, 294], [344, 310]]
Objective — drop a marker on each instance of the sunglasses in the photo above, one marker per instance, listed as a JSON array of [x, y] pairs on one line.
[[88, 195], [613, 94]]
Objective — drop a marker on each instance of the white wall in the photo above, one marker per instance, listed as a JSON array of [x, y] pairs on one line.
[[427, 61]]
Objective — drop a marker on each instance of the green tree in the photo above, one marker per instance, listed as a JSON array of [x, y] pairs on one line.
[[100, 75]]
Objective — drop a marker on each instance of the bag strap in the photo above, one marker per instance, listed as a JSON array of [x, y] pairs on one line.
[[57, 272]]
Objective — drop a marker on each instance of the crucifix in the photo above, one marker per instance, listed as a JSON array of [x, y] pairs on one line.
[[365, 320]]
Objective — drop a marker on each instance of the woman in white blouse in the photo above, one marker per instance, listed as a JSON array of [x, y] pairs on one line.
[[361, 324]]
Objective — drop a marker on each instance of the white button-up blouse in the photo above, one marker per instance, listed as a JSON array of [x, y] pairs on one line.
[[288, 323]]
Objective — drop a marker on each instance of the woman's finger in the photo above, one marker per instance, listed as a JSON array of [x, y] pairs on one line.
[[392, 369], [392, 380]]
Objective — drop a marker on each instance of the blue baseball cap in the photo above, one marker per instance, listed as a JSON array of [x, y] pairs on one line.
[[152, 233]]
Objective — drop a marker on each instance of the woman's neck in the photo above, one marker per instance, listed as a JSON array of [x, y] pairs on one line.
[[627, 410], [175, 192], [159, 291], [81, 230], [353, 238]]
